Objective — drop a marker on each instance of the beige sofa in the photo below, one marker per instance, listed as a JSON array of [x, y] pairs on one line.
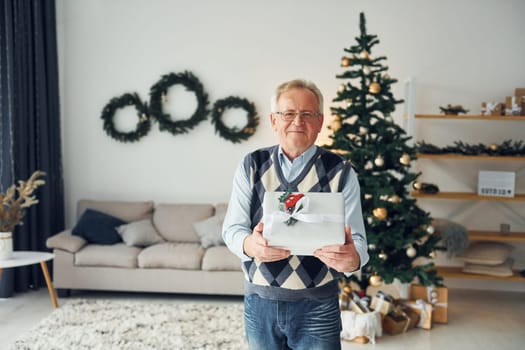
[[177, 264]]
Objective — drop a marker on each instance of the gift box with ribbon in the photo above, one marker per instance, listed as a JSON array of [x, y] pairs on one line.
[[382, 302], [397, 321], [360, 305], [424, 311], [303, 222], [400, 319], [361, 328], [436, 296]]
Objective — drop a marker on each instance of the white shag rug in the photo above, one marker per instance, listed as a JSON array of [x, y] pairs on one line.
[[137, 325]]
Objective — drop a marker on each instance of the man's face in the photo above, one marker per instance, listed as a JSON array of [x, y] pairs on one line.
[[296, 135]]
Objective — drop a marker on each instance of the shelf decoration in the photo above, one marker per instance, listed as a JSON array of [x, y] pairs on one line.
[[454, 110], [116, 103], [507, 148], [514, 105], [158, 94], [425, 187], [234, 134]]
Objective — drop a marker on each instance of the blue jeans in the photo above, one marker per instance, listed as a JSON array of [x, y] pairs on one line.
[[307, 324]]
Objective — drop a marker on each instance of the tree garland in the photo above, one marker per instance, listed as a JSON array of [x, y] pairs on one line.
[[234, 134], [507, 148], [108, 114], [158, 92]]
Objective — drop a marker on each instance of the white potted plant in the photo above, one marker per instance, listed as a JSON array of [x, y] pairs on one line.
[[13, 204]]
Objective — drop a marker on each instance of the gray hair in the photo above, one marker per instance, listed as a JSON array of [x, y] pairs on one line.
[[296, 84]]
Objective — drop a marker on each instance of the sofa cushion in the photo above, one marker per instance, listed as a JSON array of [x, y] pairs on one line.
[[66, 241], [98, 228], [174, 221], [139, 233], [186, 256], [116, 255], [220, 259], [220, 210], [127, 211], [209, 231]]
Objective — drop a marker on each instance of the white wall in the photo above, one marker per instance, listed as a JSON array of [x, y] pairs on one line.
[[459, 52]]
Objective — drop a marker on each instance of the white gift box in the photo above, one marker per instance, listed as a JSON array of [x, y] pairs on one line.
[[496, 183], [319, 222]]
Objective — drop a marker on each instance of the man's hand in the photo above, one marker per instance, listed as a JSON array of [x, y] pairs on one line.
[[256, 246], [342, 258]]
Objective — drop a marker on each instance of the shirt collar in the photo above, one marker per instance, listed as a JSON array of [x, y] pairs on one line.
[[302, 159]]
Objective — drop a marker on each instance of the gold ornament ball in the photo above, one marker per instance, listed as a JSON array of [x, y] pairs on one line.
[[432, 255], [371, 246], [431, 229], [341, 88], [382, 256], [347, 290], [493, 147], [363, 130], [375, 280], [379, 161], [374, 88], [394, 199], [411, 252], [380, 213], [416, 185], [345, 61], [336, 125], [405, 159], [363, 54]]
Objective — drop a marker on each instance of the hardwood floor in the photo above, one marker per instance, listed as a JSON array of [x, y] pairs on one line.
[[477, 319]]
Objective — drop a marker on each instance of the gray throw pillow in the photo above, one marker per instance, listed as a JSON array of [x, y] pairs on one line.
[[209, 231], [139, 233]]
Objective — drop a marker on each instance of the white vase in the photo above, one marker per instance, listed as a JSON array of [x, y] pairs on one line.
[[6, 245]]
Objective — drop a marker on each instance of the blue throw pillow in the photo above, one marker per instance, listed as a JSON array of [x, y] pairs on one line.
[[97, 227]]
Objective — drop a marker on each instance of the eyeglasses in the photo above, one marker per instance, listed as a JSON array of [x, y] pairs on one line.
[[288, 116]]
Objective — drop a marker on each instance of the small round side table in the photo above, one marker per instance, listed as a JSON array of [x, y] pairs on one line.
[[24, 258]]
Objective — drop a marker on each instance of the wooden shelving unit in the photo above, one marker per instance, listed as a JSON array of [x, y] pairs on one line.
[[466, 196], [455, 272], [471, 117], [475, 235], [469, 157]]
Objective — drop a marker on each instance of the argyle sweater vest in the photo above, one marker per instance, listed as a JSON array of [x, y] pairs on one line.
[[297, 276]]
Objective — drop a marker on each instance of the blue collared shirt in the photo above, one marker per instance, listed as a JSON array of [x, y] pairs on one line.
[[237, 222]]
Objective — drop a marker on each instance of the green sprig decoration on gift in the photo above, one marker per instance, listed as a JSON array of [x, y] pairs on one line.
[[401, 240]]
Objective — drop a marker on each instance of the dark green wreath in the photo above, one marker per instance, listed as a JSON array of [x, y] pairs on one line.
[[108, 113], [191, 83], [234, 134]]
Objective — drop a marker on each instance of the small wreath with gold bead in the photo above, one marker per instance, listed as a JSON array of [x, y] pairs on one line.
[[234, 134], [158, 93], [108, 114]]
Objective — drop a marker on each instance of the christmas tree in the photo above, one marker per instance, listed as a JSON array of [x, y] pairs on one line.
[[363, 131]]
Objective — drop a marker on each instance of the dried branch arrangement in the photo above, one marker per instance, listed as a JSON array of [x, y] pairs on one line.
[[17, 199]]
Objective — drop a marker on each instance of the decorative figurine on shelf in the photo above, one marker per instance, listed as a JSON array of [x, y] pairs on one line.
[[454, 110], [425, 187], [492, 108]]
